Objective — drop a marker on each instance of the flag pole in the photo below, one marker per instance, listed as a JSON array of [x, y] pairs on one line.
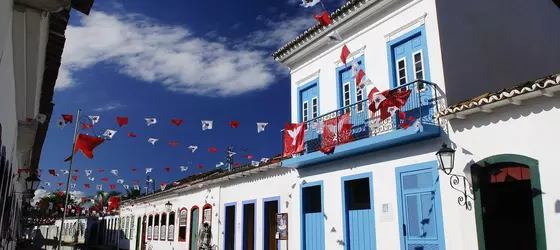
[[77, 121]]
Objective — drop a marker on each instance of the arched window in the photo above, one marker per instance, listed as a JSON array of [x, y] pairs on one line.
[[131, 228], [163, 227], [150, 221], [207, 214], [183, 225], [171, 227], [195, 217], [156, 227]]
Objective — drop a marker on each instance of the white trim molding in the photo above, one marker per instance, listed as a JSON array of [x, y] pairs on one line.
[[308, 78], [353, 54], [409, 26]]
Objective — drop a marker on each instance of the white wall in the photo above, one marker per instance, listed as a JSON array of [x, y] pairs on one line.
[[490, 45], [529, 130], [372, 34], [275, 182]]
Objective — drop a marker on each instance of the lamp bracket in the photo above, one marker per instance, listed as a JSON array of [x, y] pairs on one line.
[[462, 184]]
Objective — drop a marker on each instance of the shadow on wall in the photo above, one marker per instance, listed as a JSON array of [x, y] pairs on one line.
[[557, 207], [506, 113]]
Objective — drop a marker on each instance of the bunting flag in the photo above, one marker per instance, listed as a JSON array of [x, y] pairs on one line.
[[100, 170], [249, 157], [112, 186], [109, 133], [136, 181], [212, 150], [60, 184], [261, 126], [207, 124], [60, 123], [133, 170], [167, 169], [64, 171], [67, 118], [184, 168], [72, 185], [234, 124], [334, 37], [219, 164], [386, 102], [177, 122], [41, 118], [48, 184], [149, 170], [255, 163], [153, 141], [293, 139], [150, 121], [105, 179], [136, 187], [115, 172], [121, 120], [355, 69], [91, 178], [130, 134], [163, 185], [359, 78], [94, 119], [86, 144], [76, 170], [173, 144], [84, 199], [309, 3], [87, 185], [231, 153], [88, 172], [75, 177], [199, 166], [86, 126], [126, 187], [264, 160], [193, 148], [53, 172], [120, 181], [344, 54], [323, 19]]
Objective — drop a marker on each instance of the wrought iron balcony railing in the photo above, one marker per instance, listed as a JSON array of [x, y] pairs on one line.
[[420, 108]]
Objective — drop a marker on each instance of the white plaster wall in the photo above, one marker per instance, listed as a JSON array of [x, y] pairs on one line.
[[372, 34], [275, 182], [528, 130], [489, 45]]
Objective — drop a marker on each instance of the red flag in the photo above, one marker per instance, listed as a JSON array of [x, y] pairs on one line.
[[86, 126], [130, 134], [84, 198], [293, 139], [121, 120], [236, 164], [76, 170], [19, 170], [234, 124], [173, 144], [212, 150], [112, 186], [177, 121], [199, 166], [167, 169], [249, 157], [60, 184], [323, 19], [386, 102], [61, 194], [52, 172], [87, 144], [359, 78], [87, 185], [133, 170], [336, 131], [105, 179], [67, 118], [100, 170], [75, 177], [136, 181], [344, 54]]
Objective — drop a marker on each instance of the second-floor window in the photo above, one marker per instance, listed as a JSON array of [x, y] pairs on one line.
[[309, 102], [409, 56], [314, 108], [305, 111], [401, 71], [346, 96]]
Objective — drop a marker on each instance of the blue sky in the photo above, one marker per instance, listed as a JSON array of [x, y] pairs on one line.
[[182, 59]]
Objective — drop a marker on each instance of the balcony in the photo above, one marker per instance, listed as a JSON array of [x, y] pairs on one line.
[[365, 131]]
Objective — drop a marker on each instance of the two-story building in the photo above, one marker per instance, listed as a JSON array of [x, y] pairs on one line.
[[368, 171]]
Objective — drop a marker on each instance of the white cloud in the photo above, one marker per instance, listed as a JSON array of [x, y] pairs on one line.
[[110, 106], [146, 50], [77, 195], [280, 32], [39, 193]]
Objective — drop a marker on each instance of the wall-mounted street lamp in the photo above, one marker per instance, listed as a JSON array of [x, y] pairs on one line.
[[168, 206], [446, 159], [32, 183]]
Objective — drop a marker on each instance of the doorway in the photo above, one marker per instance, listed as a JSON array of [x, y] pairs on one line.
[[194, 228], [229, 234], [508, 204], [359, 219], [248, 225], [269, 228]]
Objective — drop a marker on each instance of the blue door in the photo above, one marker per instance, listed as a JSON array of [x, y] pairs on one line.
[[309, 110], [359, 218], [313, 224], [420, 207], [409, 55]]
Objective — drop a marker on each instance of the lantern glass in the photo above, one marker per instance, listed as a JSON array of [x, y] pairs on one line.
[[32, 183], [168, 206], [446, 159]]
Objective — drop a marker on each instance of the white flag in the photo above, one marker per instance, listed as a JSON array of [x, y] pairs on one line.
[[91, 178], [219, 164], [94, 119], [150, 121], [151, 180], [136, 187], [148, 170], [255, 163], [88, 172], [126, 187], [115, 172], [366, 82], [99, 187], [60, 123], [153, 141], [265, 160], [120, 181], [109, 133], [72, 185], [355, 69], [231, 153], [41, 118], [193, 148], [163, 185], [260, 126], [333, 37], [64, 171], [184, 168], [309, 3], [48, 184], [207, 124]]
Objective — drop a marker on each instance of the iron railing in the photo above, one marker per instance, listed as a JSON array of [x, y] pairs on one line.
[[420, 108]]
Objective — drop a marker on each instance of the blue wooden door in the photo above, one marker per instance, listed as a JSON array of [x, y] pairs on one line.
[[313, 233], [194, 229], [309, 110], [420, 209], [359, 215]]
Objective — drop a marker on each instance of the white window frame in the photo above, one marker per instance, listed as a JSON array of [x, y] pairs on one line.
[[398, 74], [314, 105], [421, 52], [359, 107], [305, 113], [346, 84]]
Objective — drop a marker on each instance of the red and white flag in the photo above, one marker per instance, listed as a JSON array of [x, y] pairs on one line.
[[293, 139], [323, 19], [150, 121], [337, 131]]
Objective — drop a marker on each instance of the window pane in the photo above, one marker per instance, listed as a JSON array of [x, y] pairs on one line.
[[183, 218], [417, 57]]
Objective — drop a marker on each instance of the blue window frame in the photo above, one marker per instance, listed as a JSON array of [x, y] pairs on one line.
[[408, 57], [308, 101]]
